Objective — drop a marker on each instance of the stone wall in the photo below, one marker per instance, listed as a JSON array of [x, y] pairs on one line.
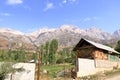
[[105, 64]]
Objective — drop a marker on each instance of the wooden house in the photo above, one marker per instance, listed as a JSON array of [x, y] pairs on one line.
[[93, 57]]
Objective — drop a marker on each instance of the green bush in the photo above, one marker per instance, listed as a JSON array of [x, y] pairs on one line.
[[60, 60], [68, 60], [5, 68]]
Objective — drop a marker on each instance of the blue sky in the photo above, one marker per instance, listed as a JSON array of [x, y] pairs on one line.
[[31, 15]]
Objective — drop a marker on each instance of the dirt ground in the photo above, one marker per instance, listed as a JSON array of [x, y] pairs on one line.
[[115, 77]]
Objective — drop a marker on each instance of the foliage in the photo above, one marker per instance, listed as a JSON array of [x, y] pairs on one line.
[[117, 48], [47, 46], [73, 56], [48, 52], [34, 56], [45, 53], [5, 68], [60, 60], [52, 51], [18, 55], [109, 45], [3, 55], [68, 60], [64, 55]]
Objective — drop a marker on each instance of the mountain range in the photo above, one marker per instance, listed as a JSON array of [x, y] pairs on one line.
[[67, 35]]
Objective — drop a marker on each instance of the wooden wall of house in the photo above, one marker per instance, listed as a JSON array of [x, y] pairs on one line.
[[85, 53], [100, 54]]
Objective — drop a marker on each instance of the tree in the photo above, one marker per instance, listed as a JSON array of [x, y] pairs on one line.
[[52, 51], [42, 53], [3, 55], [117, 48], [19, 56], [64, 55], [61, 58], [73, 56], [11, 55], [46, 54]]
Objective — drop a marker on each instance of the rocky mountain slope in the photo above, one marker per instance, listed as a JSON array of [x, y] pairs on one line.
[[67, 35], [117, 34], [14, 39]]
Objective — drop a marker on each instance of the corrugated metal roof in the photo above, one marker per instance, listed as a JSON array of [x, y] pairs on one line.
[[101, 46]]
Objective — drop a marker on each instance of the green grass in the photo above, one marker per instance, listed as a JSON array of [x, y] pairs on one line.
[[54, 69]]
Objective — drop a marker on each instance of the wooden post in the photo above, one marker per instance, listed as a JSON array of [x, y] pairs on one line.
[[38, 75]]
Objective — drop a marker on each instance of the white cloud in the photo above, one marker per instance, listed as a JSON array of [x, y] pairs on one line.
[[87, 19], [13, 2], [64, 1], [68, 2], [49, 5], [5, 14], [91, 18]]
